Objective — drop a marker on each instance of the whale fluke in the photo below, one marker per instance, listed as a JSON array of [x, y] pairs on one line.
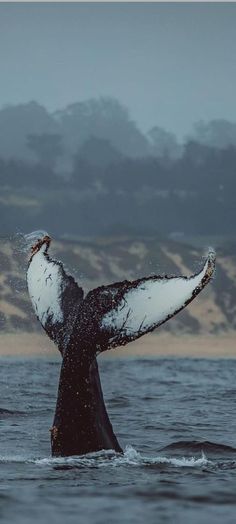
[[128, 310], [55, 296], [83, 327]]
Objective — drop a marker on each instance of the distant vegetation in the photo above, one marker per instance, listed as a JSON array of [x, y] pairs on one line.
[[88, 170]]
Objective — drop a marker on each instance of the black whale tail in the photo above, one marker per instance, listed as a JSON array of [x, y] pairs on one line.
[[81, 423], [82, 327]]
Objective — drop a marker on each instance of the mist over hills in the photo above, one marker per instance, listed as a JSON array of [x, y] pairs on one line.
[[32, 133], [88, 170]]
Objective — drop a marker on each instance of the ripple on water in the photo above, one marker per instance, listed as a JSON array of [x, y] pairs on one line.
[[178, 415]]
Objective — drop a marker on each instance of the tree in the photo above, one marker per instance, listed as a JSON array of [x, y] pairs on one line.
[[163, 144], [103, 118], [98, 152], [218, 133], [18, 121], [46, 147]]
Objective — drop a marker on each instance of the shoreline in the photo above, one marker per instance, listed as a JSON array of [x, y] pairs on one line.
[[158, 345]]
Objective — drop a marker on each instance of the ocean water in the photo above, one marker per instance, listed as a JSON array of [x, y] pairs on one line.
[[175, 418]]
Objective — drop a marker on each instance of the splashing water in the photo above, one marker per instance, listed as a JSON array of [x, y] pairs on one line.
[[100, 459]]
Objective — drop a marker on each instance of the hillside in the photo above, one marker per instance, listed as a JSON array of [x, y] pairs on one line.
[[108, 260]]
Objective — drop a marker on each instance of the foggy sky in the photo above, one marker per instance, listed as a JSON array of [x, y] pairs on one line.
[[170, 64]]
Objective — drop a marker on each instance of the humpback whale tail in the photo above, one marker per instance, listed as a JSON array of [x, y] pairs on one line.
[[84, 326]]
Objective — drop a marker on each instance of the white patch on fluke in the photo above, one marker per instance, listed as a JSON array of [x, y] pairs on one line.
[[152, 302], [44, 281]]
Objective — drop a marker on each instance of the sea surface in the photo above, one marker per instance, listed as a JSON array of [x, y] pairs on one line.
[[176, 420]]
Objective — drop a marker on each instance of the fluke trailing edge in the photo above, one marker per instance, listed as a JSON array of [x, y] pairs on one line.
[[84, 326]]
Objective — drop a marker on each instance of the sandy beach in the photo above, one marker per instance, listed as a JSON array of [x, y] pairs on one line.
[[35, 345]]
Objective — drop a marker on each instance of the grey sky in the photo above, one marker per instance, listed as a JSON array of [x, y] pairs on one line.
[[171, 64]]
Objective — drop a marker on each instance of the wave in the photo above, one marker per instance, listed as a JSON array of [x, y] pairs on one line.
[[8, 412], [100, 459], [131, 457], [195, 446]]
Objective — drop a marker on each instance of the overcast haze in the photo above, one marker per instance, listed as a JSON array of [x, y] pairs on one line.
[[170, 64]]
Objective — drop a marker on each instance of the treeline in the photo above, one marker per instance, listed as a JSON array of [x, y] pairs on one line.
[[31, 133], [92, 172], [193, 195]]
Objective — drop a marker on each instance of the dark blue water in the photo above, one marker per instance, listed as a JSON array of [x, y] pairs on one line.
[[176, 418]]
